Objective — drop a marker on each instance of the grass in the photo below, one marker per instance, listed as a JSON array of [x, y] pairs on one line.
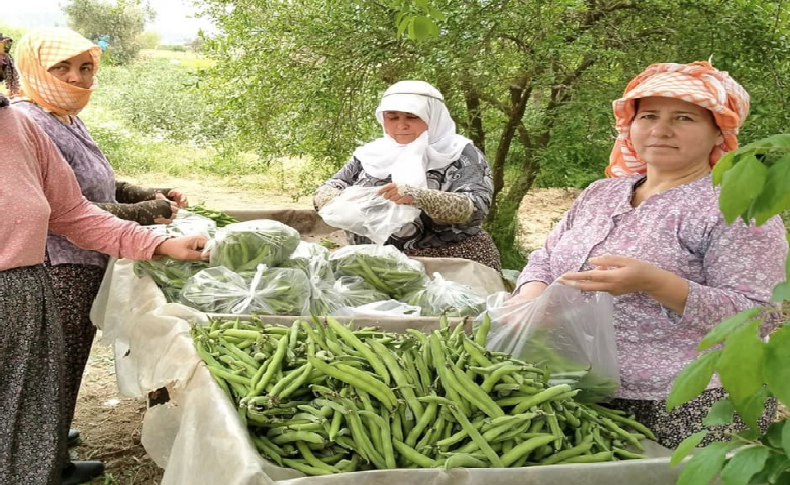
[[187, 59]]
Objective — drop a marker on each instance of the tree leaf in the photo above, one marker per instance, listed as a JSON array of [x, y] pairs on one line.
[[723, 329], [740, 366], [686, 446], [436, 14], [720, 413], [775, 466], [781, 292], [692, 380], [773, 437], [754, 407], [776, 370], [724, 164], [422, 27], [741, 185], [775, 196], [786, 437], [705, 464], [744, 465], [404, 24]]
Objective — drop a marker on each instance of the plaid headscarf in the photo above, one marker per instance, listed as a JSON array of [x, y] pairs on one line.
[[37, 52], [699, 83]]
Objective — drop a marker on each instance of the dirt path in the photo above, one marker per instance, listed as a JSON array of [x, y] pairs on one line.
[[111, 425]]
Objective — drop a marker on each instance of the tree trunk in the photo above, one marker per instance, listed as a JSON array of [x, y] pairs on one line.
[[476, 132]]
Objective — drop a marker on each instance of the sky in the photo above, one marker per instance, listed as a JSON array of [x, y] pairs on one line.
[[172, 21]]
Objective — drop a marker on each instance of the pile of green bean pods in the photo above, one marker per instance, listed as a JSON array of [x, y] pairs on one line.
[[322, 398]]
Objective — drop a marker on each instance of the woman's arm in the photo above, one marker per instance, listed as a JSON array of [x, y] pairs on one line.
[[345, 177], [144, 213]]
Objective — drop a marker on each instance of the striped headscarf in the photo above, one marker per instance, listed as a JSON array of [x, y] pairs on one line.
[[699, 83], [36, 53]]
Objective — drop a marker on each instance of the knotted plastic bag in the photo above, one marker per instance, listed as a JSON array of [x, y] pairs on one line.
[[362, 211]]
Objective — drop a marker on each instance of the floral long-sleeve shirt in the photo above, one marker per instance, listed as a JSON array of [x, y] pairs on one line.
[[729, 268], [470, 176]]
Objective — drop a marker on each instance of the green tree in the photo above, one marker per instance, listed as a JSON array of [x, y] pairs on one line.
[[122, 21], [149, 40], [530, 81], [755, 184]]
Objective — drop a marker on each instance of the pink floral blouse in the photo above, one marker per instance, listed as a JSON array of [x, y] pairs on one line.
[[730, 268]]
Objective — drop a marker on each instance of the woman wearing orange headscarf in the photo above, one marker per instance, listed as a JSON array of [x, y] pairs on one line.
[[653, 237], [57, 69]]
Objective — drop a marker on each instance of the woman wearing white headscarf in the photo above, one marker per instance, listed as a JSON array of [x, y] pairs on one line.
[[421, 161]]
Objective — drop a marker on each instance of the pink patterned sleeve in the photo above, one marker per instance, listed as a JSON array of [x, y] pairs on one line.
[[538, 267], [742, 265], [81, 222]]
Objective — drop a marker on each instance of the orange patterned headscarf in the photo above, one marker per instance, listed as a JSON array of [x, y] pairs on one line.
[[698, 83], [37, 52]]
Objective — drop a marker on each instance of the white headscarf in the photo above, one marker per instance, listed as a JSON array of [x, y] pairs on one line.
[[434, 149]]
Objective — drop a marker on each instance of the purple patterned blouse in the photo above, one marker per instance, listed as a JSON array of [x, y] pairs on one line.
[[730, 268], [94, 174]]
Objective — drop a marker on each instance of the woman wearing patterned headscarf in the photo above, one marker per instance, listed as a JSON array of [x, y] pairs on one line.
[[40, 193], [653, 237], [57, 68], [421, 161]]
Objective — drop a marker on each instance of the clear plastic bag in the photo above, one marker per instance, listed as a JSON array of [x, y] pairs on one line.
[[384, 267], [217, 290], [280, 291], [186, 223], [386, 308], [271, 291], [362, 211], [442, 296], [354, 291], [313, 260], [241, 247], [169, 274], [570, 331]]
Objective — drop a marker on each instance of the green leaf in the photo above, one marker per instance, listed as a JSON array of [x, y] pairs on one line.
[[740, 366], [720, 413], [754, 407], [692, 380], [724, 164], [705, 464], [773, 437], [781, 292], [744, 465], [775, 466], [421, 28], [723, 329], [404, 24], [775, 196], [421, 4], [436, 14], [776, 370], [741, 186], [786, 437], [686, 446]]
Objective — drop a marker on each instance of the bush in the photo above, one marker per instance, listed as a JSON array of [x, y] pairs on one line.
[[158, 97]]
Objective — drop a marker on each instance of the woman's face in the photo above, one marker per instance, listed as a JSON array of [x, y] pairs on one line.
[[673, 134], [403, 127], [77, 70]]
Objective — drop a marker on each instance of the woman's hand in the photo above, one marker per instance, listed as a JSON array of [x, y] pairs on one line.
[[391, 192], [617, 275], [527, 291], [185, 247], [179, 199], [620, 275], [173, 210]]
